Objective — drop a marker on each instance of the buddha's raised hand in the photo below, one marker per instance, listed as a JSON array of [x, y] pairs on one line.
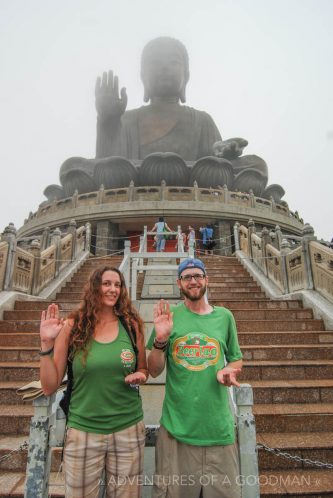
[[109, 104]]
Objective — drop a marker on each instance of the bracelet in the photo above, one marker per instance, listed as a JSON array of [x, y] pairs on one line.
[[46, 353], [160, 345]]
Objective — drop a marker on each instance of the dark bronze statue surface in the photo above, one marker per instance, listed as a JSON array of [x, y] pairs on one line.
[[162, 140]]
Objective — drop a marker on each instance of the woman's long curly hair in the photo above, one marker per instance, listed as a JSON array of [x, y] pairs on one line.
[[86, 316]]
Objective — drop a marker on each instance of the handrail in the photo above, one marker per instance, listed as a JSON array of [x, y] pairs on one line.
[[31, 269], [306, 267]]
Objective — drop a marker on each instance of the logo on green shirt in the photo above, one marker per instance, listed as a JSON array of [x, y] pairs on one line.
[[127, 357], [196, 351]]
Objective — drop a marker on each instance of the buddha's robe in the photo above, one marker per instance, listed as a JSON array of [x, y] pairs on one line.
[[158, 128]]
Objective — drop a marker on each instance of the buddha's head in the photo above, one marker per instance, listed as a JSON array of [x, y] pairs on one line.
[[164, 69]]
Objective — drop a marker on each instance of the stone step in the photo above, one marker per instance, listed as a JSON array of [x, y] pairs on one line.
[[278, 325], [286, 370], [7, 326], [243, 286], [293, 417], [305, 483], [240, 295], [315, 446], [17, 353], [15, 419], [13, 485], [18, 371], [242, 325], [288, 352], [8, 394], [231, 304], [42, 305], [25, 339], [234, 304], [293, 391], [263, 314], [284, 337]]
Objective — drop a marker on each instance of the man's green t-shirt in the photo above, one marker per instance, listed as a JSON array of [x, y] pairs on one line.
[[196, 406]]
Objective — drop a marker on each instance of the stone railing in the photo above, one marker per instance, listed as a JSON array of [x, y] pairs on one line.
[[164, 193], [31, 270], [322, 269], [308, 266], [47, 428]]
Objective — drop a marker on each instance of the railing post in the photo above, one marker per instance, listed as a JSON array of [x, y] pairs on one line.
[[88, 237], [248, 456], [35, 250], [251, 229], [100, 195], [72, 231], [284, 251], [191, 248], [39, 452], [56, 240], [308, 235], [127, 269], [226, 194], [236, 236], [278, 234], [131, 191], [75, 198], [196, 193], [44, 243], [134, 279], [265, 239], [252, 199], [145, 230], [180, 242], [163, 190], [9, 236]]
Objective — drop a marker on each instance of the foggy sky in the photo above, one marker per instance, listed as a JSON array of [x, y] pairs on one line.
[[261, 68]]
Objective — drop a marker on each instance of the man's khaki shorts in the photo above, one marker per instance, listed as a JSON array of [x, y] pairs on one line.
[[187, 471]]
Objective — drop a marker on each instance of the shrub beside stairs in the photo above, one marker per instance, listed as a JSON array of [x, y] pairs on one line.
[[288, 359]]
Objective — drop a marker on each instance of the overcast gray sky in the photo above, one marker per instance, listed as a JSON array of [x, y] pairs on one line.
[[262, 69]]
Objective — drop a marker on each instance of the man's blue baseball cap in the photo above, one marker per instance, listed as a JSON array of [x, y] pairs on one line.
[[191, 263]]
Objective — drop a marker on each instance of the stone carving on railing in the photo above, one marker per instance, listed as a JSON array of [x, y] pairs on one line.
[[30, 271], [322, 269], [308, 266], [273, 265], [295, 269]]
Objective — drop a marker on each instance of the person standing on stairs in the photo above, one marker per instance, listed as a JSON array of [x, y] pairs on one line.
[[160, 228], [104, 340], [196, 452]]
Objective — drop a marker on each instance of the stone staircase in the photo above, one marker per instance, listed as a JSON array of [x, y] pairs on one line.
[[288, 359]]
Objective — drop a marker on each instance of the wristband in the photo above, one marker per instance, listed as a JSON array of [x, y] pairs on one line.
[[46, 353], [160, 345]]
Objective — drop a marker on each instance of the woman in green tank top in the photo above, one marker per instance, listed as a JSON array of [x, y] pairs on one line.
[[104, 340]]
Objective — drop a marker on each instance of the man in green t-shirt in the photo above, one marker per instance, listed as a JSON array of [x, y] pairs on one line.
[[196, 453]]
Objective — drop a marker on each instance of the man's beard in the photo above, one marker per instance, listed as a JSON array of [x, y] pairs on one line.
[[194, 297]]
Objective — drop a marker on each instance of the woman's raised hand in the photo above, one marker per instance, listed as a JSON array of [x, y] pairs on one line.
[[163, 321], [50, 325]]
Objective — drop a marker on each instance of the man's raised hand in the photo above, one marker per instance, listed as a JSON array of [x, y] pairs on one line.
[[163, 321]]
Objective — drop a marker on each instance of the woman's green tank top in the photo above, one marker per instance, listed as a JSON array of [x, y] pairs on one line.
[[101, 401]]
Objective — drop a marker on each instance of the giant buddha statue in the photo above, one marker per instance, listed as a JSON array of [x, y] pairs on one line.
[[162, 140]]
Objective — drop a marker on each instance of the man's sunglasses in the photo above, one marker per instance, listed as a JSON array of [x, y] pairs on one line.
[[197, 277]]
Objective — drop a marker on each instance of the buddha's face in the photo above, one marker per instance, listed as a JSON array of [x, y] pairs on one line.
[[163, 71]]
